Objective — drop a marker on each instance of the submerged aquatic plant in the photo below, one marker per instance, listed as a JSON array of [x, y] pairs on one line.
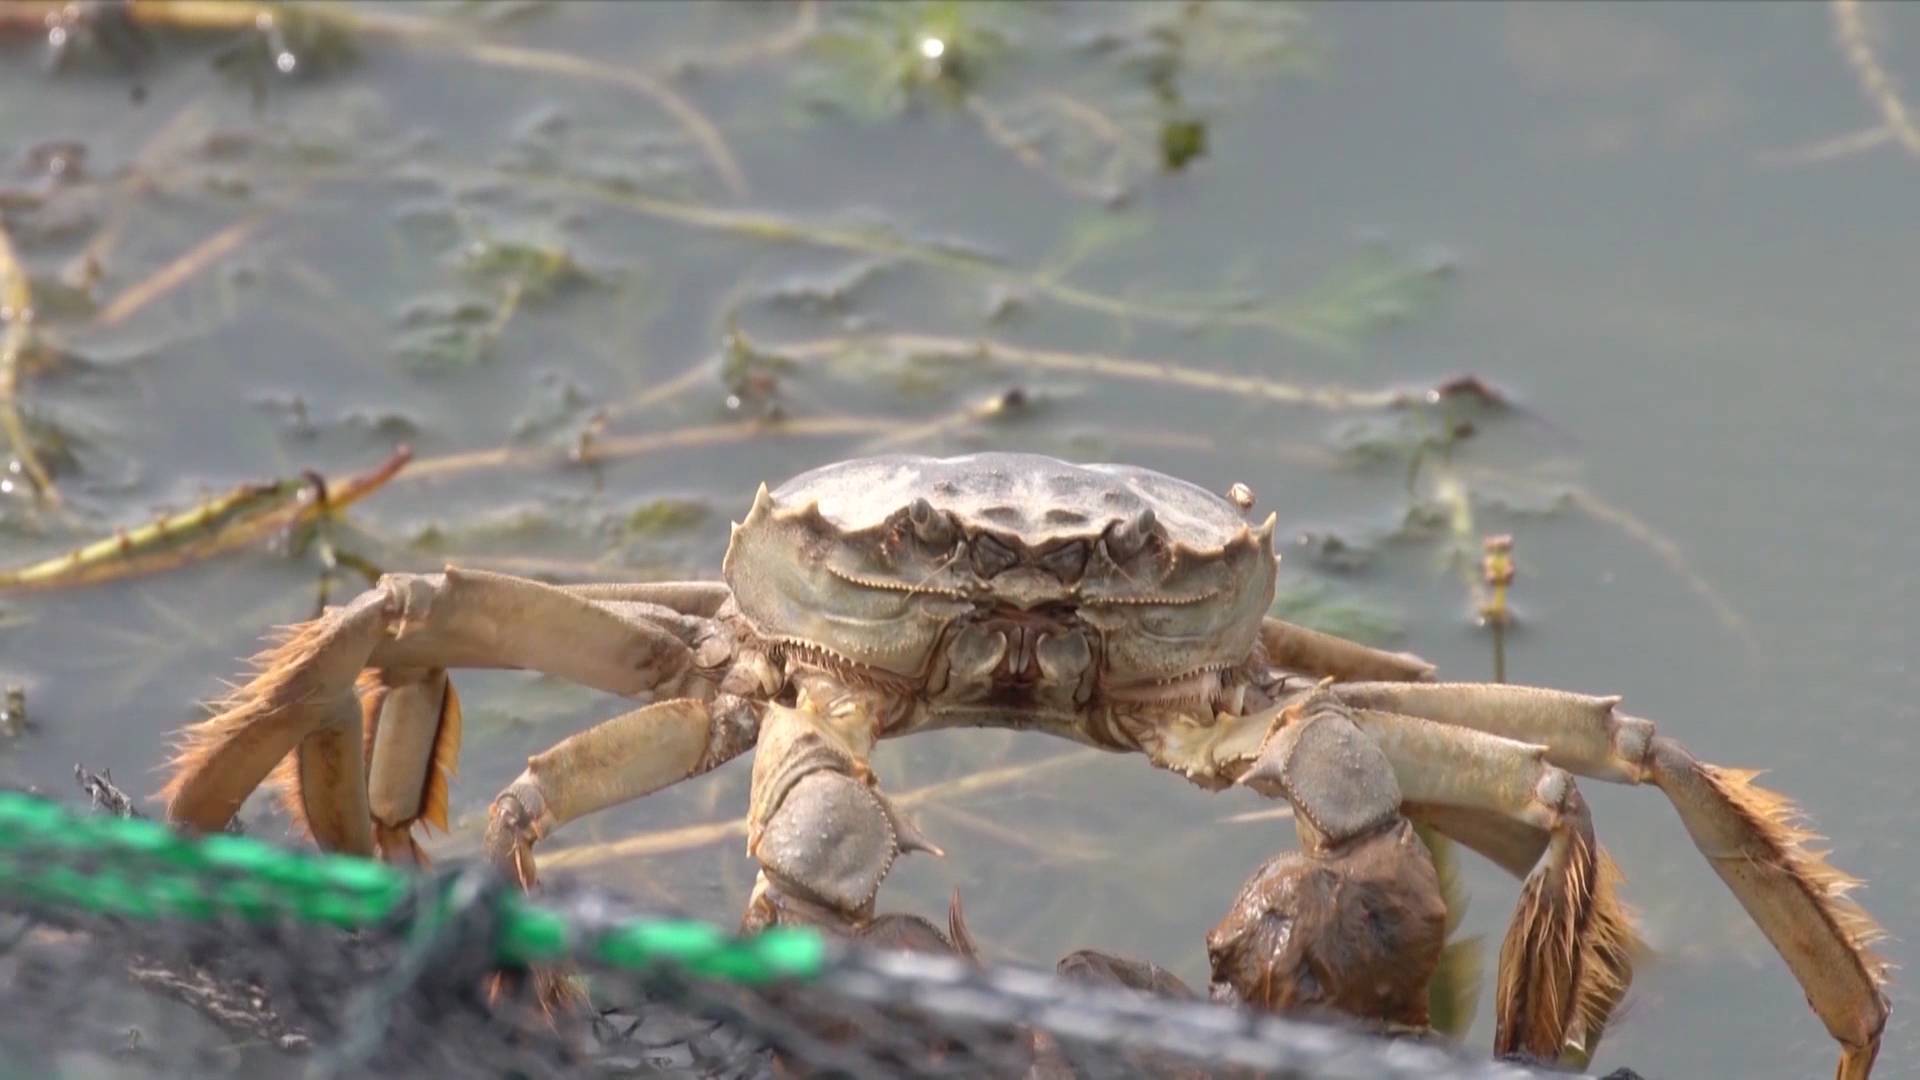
[[1316, 604], [287, 41], [872, 60], [456, 327], [1160, 70]]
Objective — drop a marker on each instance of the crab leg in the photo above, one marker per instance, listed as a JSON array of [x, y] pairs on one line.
[[1348, 772], [303, 700], [1356, 920], [616, 761], [698, 598], [1749, 834], [328, 768], [823, 834], [412, 721], [304, 689], [1297, 648], [1567, 957]]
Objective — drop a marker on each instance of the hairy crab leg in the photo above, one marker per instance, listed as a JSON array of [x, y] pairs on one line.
[[1568, 954], [1296, 648], [304, 688], [1349, 771], [1751, 836], [303, 699], [1355, 921], [471, 618], [615, 761], [412, 721]]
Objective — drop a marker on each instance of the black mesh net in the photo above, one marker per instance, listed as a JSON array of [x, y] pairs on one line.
[[90, 987]]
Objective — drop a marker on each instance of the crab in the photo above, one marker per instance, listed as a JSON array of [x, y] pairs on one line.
[[1108, 604]]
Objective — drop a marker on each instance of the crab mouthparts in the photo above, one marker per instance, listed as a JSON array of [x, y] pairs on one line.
[[1035, 642]]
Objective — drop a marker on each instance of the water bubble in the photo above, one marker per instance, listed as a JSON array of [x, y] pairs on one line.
[[932, 47], [286, 62]]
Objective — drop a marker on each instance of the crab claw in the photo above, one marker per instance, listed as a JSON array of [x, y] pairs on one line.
[[1356, 929]]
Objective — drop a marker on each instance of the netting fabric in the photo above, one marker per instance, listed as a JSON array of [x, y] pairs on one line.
[[127, 950]]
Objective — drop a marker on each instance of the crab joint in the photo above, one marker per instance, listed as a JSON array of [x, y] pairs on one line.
[[516, 821], [520, 811], [1339, 782]]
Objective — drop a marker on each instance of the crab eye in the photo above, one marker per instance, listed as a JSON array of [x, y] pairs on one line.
[[932, 527], [1066, 562], [990, 556], [1126, 539]]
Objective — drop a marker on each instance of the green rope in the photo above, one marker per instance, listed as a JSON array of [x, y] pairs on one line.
[[143, 869]]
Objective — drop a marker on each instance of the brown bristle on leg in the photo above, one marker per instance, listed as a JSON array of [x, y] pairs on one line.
[[445, 763], [1568, 957], [372, 688], [285, 778], [1540, 958], [220, 760], [1609, 950], [1759, 845], [1780, 824]]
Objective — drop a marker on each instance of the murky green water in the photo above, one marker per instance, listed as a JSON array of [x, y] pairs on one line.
[[1610, 213]]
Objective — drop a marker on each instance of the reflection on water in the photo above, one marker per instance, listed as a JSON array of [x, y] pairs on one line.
[[1631, 220]]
